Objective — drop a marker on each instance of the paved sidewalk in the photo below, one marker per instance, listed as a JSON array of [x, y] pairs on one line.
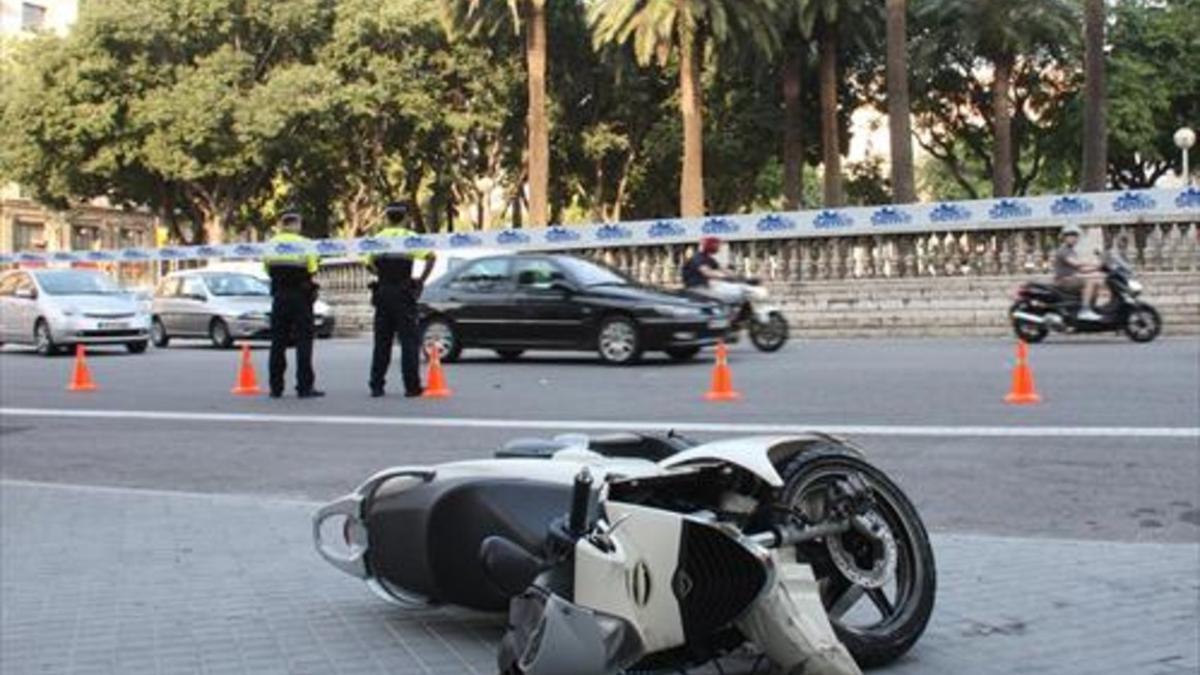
[[96, 580]]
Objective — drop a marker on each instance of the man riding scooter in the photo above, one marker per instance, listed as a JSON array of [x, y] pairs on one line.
[[1074, 276], [702, 275], [749, 302]]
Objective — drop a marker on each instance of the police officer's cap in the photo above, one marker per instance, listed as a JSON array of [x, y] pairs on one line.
[[290, 212]]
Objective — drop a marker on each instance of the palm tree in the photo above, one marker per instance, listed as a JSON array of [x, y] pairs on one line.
[[659, 29], [487, 16], [1001, 31], [899, 123], [1095, 132], [795, 47], [821, 18]]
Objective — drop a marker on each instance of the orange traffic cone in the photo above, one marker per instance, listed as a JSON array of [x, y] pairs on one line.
[[247, 381], [435, 380], [722, 378], [1022, 381], [81, 376]]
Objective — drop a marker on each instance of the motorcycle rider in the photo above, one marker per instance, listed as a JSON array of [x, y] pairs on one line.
[[1074, 276], [702, 274]]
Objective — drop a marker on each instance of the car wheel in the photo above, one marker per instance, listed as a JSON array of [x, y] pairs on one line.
[[158, 333], [683, 353], [218, 332], [618, 341], [42, 339], [510, 354], [137, 347], [440, 332]]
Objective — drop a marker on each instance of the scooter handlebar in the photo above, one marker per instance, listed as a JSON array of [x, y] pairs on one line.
[[581, 495]]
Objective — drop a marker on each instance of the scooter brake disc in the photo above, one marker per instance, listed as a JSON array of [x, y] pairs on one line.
[[883, 548]]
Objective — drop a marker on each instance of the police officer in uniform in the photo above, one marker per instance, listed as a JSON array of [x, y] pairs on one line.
[[394, 294], [293, 291]]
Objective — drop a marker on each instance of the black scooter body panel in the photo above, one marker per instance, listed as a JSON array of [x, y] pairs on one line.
[[427, 538]]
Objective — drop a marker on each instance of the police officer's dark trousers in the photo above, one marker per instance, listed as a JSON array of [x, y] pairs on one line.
[[292, 317], [396, 318]]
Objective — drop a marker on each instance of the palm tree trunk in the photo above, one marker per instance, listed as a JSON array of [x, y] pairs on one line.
[[830, 145], [691, 189], [1095, 132], [793, 128], [1002, 150], [539, 135], [899, 126]]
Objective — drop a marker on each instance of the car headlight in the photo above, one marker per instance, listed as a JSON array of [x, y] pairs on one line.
[[676, 310]]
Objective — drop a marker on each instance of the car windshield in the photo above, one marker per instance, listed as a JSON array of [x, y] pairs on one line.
[[236, 284], [587, 273], [76, 282]]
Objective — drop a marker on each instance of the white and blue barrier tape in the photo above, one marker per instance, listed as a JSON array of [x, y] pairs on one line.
[[1156, 205]]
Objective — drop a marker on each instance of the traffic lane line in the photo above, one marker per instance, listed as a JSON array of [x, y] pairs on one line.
[[606, 425]]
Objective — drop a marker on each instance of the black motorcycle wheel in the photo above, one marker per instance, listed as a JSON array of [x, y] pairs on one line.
[[1142, 323], [877, 624], [771, 336], [1029, 332]]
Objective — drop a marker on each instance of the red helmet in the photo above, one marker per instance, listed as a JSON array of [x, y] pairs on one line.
[[710, 245]]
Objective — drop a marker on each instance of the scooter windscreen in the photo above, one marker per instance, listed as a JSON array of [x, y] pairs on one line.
[[548, 635]]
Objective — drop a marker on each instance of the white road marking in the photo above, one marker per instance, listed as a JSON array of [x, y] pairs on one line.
[[606, 425]]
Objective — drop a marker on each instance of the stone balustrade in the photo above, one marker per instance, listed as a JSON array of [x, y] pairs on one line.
[[858, 266]]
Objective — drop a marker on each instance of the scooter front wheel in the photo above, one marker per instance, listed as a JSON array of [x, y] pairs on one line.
[[878, 590], [1142, 323], [771, 335]]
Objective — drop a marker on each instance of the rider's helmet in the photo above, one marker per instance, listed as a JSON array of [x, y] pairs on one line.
[[1071, 230], [710, 245]]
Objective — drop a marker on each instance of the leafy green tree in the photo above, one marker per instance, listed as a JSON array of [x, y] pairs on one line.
[[187, 107], [1153, 87], [1002, 34], [660, 29]]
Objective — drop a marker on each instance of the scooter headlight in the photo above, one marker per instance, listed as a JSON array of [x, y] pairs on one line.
[[1135, 286]]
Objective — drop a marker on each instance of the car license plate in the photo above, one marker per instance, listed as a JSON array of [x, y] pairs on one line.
[[718, 324], [113, 325]]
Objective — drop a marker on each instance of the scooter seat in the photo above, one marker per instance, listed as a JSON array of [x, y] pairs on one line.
[[427, 538], [623, 445]]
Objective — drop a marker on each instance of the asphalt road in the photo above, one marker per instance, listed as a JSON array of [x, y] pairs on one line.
[[1112, 454]]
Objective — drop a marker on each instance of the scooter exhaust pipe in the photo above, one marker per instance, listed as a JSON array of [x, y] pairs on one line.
[[1029, 318]]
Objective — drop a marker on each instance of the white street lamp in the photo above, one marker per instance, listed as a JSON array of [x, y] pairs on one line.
[[1185, 138]]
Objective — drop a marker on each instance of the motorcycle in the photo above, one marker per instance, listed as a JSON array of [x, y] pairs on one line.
[[634, 552], [754, 313], [1041, 307]]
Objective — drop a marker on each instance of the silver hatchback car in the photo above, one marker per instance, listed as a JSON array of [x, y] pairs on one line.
[[221, 306], [55, 309]]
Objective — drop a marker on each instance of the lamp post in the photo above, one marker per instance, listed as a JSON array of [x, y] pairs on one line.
[[1185, 138]]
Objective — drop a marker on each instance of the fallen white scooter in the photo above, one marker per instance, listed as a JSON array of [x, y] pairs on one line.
[[633, 551]]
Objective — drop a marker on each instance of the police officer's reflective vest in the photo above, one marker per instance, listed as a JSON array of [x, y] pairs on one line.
[[395, 267], [290, 270]]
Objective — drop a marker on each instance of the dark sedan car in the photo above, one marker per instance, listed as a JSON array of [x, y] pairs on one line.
[[511, 303]]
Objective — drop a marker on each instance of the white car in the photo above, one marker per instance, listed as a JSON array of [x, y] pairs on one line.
[[221, 306], [55, 309]]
